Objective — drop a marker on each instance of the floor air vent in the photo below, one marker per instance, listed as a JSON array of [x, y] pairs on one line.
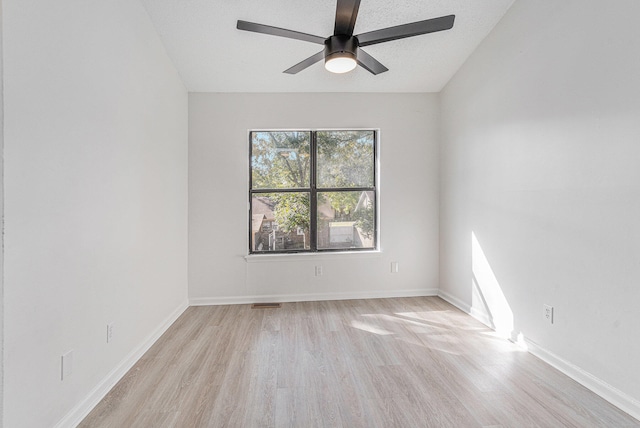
[[265, 306]]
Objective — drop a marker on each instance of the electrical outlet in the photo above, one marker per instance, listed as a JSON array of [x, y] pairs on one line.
[[319, 270], [394, 267], [547, 313], [109, 332], [66, 365]]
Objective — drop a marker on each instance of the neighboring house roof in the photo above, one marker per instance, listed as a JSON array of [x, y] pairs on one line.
[[364, 201], [263, 205], [256, 222]]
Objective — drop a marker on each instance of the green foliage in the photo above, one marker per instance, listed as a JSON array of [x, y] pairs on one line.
[[343, 203], [345, 158], [280, 160], [365, 220], [291, 210]]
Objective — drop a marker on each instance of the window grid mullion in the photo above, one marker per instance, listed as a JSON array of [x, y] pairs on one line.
[[375, 184], [346, 189], [313, 214], [284, 190]]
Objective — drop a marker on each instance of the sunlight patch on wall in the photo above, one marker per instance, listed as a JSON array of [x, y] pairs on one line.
[[488, 300]]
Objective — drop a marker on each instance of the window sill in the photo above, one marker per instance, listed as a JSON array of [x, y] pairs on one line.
[[268, 258]]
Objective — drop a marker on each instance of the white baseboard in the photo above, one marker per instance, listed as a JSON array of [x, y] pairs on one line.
[[482, 317], [479, 315], [455, 301], [80, 411], [614, 396], [280, 298]]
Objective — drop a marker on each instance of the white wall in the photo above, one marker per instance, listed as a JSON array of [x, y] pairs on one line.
[[1, 226], [540, 160], [218, 195], [95, 197]]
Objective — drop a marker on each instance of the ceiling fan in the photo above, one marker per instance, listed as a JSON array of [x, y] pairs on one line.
[[342, 50]]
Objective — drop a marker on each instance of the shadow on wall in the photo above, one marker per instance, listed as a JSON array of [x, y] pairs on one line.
[[488, 301]]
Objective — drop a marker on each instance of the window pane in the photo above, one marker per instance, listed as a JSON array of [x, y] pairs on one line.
[[345, 159], [280, 159], [280, 221], [346, 220]]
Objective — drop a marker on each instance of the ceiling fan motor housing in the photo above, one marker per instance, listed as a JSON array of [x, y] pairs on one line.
[[340, 46]]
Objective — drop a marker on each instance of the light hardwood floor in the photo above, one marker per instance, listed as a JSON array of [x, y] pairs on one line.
[[407, 362]]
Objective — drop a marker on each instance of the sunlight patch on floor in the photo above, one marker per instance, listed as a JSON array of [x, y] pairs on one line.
[[369, 328], [404, 321]]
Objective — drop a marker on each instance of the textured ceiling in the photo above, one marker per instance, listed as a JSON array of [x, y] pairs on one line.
[[211, 55]]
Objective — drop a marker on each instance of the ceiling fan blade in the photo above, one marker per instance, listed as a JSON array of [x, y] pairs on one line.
[[275, 31], [346, 14], [306, 63], [406, 30], [369, 63]]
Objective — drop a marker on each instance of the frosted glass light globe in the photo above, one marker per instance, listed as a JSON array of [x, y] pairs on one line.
[[340, 64]]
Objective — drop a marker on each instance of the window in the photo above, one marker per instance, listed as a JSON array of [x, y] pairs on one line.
[[312, 191]]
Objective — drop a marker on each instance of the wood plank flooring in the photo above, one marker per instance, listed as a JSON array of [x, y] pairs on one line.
[[406, 362]]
